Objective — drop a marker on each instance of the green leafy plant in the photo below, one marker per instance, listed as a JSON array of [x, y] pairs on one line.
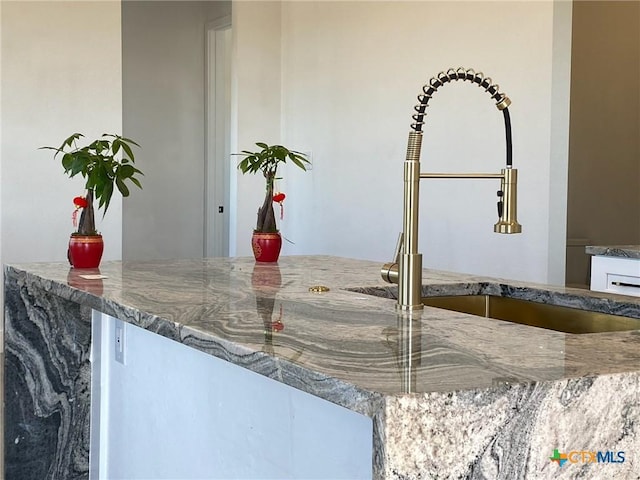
[[267, 161], [105, 162]]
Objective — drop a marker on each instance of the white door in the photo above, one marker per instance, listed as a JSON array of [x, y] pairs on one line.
[[216, 221]]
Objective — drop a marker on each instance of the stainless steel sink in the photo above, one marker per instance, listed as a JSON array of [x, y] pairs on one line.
[[526, 312]]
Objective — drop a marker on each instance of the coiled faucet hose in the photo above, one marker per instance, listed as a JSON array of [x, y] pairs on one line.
[[502, 101]]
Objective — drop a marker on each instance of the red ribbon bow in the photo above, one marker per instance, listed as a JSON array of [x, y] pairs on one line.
[[79, 202], [279, 198]]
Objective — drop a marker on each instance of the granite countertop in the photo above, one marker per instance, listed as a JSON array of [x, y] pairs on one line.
[[623, 251], [450, 395], [347, 344]]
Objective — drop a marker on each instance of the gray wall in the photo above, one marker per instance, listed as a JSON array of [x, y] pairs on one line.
[[349, 75], [51, 88], [604, 141], [163, 75]]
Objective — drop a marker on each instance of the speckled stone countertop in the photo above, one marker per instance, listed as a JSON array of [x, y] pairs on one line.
[[452, 395], [624, 251]]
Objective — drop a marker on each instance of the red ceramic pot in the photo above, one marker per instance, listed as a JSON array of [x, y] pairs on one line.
[[85, 251], [266, 246]]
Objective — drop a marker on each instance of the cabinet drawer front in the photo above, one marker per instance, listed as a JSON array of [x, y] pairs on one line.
[[615, 275]]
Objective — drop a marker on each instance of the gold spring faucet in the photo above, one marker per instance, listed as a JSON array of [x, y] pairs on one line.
[[406, 270]]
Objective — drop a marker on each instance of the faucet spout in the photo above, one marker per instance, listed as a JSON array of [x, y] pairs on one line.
[[406, 270]]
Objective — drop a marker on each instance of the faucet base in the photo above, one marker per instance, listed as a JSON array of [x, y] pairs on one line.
[[409, 308], [410, 282], [407, 274]]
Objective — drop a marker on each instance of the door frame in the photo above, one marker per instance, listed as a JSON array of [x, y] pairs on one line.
[[217, 137]]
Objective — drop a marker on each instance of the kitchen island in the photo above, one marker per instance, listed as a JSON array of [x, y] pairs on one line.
[[450, 395]]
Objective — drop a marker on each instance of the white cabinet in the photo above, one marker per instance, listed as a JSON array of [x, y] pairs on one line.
[[615, 275]]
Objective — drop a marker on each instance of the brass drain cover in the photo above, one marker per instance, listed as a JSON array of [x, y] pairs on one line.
[[318, 289]]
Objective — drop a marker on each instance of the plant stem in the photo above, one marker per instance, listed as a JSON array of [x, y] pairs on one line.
[[266, 216], [87, 224]]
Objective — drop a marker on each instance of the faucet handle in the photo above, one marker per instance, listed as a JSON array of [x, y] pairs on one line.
[[399, 247], [389, 271]]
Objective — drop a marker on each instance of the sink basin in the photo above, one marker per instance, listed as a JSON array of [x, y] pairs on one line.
[[551, 317]]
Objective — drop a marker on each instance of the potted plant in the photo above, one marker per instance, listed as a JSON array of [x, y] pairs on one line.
[[105, 162], [266, 240]]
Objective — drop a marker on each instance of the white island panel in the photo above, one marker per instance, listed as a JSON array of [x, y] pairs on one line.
[[171, 412]]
